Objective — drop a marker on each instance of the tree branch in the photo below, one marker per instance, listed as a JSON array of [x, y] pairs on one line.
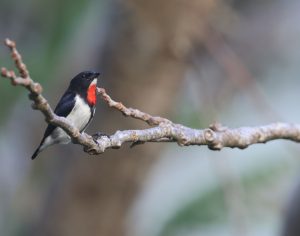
[[215, 137], [134, 113]]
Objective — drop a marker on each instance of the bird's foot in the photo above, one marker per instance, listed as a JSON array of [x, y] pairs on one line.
[[99, 135]]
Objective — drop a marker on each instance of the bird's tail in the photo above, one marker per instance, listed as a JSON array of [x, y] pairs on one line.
[[37, 151]]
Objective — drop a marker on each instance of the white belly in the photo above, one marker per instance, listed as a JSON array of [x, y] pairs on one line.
[[80, 115]]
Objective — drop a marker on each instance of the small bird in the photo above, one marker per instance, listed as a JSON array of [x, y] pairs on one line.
[[78, 105]]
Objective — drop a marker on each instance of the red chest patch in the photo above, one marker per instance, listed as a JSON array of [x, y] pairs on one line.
[[91, 95]]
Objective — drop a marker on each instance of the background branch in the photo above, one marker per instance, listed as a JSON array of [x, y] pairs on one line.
[[215, 137]]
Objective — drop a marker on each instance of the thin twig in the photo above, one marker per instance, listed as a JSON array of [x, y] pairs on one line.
[[134, 113]]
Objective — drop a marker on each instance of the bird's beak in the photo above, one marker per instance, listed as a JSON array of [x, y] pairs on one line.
[[96, 74]]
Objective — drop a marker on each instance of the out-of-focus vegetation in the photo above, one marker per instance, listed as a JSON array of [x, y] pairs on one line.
[[195, 62], [210, 210]]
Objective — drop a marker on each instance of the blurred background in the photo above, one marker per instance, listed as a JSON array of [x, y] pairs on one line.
[[194, 62]]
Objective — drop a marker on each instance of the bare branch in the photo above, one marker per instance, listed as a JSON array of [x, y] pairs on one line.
[[16, 56], [215, 137], [134, 113]]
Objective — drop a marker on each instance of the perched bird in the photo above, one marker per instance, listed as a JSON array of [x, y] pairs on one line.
[[77, 105]]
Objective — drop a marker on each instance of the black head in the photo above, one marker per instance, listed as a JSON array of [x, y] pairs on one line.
[[83, 80]]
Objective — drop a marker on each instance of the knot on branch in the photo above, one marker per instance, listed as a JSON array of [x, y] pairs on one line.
[[211, 138], [116, 142], [182, 140], [217, 127], [37, 88], [178, 133]]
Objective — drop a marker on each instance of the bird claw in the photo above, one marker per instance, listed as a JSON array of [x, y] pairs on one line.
[[99, 135]]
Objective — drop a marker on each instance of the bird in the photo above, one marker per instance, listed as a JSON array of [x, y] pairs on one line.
[[77, 105]]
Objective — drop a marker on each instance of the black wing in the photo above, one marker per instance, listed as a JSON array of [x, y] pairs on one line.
[[63, 108]]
